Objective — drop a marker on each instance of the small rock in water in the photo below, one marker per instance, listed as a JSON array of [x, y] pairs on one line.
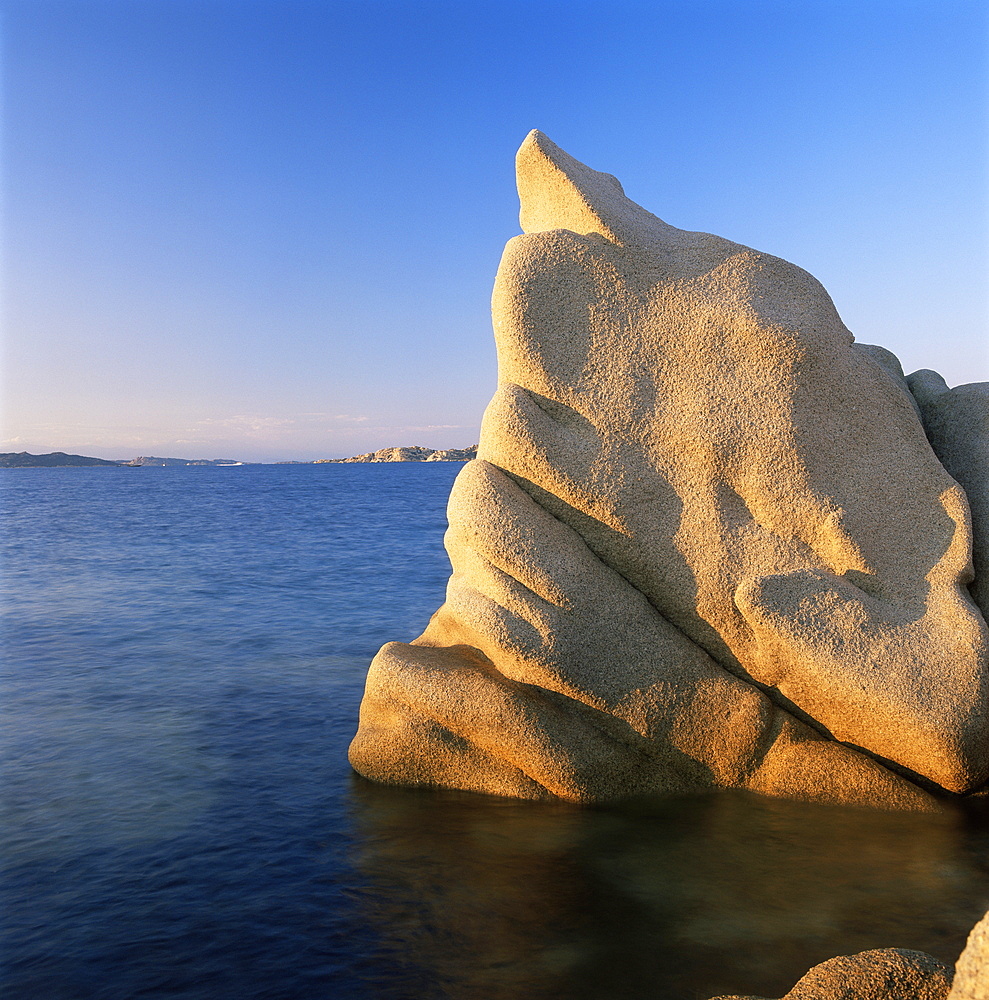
[[883, 974], [897, 974]]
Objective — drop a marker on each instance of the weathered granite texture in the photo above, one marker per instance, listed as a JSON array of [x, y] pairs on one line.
[[972, 969], [706, 541], [957, 424]]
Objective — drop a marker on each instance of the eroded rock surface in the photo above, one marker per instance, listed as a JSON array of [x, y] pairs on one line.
[[705, 543], [972, 969], [957, 424]]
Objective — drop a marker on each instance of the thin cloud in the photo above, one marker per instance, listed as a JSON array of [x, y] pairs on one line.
[[345, 417], [244, 422], [274, 429], [250, 435], [424, 427]]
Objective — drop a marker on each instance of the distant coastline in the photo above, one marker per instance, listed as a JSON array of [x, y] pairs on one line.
[[61, 460], [55, 459], [415, 453]]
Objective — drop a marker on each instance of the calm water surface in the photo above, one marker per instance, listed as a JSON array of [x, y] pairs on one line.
[[183, 653]]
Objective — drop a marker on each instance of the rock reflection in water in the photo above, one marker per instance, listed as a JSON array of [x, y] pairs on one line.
[[729, 893]]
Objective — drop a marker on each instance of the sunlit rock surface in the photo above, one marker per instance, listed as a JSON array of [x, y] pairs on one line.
[[972, 971], [706, 541]]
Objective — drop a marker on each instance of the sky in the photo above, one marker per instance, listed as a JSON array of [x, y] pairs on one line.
[[268, 229]]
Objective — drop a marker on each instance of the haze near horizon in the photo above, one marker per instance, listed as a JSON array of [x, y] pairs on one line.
[[268, 230]]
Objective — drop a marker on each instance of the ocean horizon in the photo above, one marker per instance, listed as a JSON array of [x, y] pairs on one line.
[[184, 656]]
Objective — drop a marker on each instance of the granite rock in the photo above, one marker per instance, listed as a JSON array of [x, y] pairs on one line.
[[706, 541], [972, 968], [957, 424]]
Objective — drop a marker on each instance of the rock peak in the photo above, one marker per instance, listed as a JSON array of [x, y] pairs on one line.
[[557, 191]]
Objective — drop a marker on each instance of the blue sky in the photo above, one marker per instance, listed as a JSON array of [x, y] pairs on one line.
[[268, 230]]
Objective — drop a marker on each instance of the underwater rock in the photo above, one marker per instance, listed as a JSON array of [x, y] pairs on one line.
[[706, 541]]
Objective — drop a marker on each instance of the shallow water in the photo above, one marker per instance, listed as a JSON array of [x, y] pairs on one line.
[[184, 651]]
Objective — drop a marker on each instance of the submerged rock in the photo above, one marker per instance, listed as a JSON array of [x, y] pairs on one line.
[[705, 542], [898, 974]]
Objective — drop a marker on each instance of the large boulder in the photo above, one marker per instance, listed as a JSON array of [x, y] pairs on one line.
[[705, 542]]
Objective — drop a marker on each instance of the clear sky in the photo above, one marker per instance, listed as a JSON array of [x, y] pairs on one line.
[[267, 229]]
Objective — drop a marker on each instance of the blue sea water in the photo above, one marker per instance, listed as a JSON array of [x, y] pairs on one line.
[[183, 657]]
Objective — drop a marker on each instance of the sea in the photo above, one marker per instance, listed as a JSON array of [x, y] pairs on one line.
[[184, 651]]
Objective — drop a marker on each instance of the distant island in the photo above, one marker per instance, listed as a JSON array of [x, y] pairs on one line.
[[60, 460], [153, 460], [415, 453], [56, 459]]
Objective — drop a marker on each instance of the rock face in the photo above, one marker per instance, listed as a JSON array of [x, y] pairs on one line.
[[957, 424], [972, 969], [706, 541]]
